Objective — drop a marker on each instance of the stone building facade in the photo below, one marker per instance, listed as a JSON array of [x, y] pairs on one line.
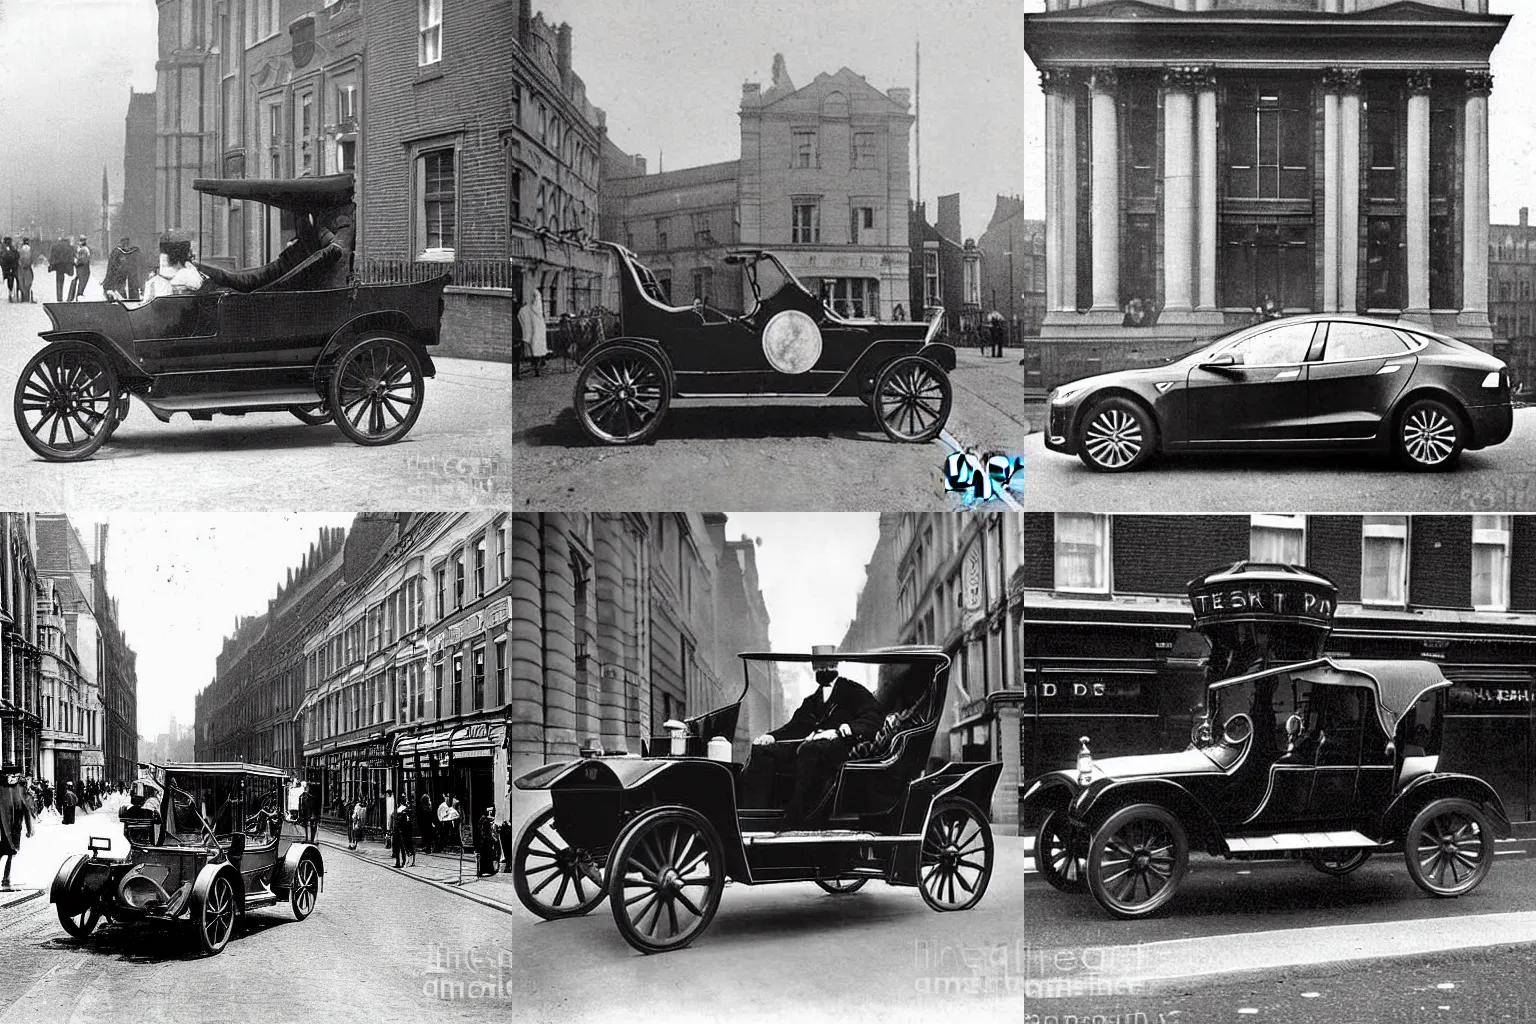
[[21, 655], [136, 210], [1014, 286], [1512, 296], [1204, 155], [680, 223]]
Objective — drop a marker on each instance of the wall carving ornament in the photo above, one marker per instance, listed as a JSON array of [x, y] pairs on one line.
[[1478, 82], [1342, 80], [1103, 79], [1419, 81], [1057, 80], [1188, 76]]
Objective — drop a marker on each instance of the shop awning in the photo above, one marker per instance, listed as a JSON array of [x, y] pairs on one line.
[[465, 737]]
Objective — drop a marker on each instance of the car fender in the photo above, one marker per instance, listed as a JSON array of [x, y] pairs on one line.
[[939, 352], [649, 344], [1096, 803], [1052, 792], [392, 320], [1399, 813], [971, 780], [1410, 393], [122, 360], [289, 865], [204, 882], [63, 891], [1092, 398]]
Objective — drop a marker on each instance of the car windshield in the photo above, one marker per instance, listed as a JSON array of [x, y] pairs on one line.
[[1211, 344], [193, 799], [1266, 701]]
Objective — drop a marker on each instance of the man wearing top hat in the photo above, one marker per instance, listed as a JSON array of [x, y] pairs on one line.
[[827, 724], [14, 813]]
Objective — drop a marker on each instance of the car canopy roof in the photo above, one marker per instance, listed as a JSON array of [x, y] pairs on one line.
[[223, 768], [1398, 684], [876, 656], [325, 192]]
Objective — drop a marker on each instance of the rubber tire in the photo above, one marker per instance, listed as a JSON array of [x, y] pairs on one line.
[[1112, 826], [220, 886], [294, 890], [400, 346], [310, 419], [1349, 866], [1072, 881], [657, 365], [120, 413], [989, 852], [1435, 405], [1428, 813], [1143, 420], [520, 885], [90, 917], [946, 398], [98, 439], [629, 838], [841, 886]]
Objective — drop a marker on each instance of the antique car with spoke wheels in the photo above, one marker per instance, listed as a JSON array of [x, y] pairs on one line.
[[658, 835], [219, 846], [789, 345], [1321, 382], [1295, 755], [299, 335]]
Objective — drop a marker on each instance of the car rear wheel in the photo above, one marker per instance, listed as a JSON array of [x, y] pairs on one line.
[[841, 886], [304, 890], [955, 863], [311, 415], [1136, 860], [1449, 847], [376, 389], [119, 412], [1061, 854], [553, 878], [622, 395], [82, 924], [1338, 862], [65, 401], [1430, 435], [1116, 435], [213, 917], [912, 399], [665, 878]]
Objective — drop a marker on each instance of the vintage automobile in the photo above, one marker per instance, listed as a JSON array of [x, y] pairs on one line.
[[659, 835], [219, 847], [1328, 760], [789, 345], [299, 334], [1301, 383]]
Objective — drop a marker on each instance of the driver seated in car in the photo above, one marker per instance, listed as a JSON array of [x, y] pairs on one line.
[[176, 275], [838, 714]]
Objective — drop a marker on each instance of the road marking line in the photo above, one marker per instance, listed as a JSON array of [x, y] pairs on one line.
[[1001, 492]]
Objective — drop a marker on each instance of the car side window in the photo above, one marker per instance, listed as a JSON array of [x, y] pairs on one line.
[[1362, 341], [1338, 711], [1285, 344], [1272, 708]]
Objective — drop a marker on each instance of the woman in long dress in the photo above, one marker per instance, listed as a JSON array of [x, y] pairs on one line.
[[535, 335]]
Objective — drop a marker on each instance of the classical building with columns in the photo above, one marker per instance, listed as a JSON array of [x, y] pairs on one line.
[[1205, 156]]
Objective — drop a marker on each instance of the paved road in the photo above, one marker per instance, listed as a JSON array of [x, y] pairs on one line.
[[457, 455], [1501, 479], [762, 454]]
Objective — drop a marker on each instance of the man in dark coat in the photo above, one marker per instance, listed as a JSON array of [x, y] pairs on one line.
[[14, 814], [122, 278], [485, 842], [68, 802], [61, 261], [426, 821], [401, 839], [828, 723]]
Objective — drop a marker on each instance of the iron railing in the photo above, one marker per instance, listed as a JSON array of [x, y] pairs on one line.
[[466, 273]]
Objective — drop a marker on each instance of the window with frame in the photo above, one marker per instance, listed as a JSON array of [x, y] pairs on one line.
[[1281, 539], [1384, 560], [861, 218], [458, 578], [1268, 131], [805, 224], [264, 18], [931, 277], [458, 684], [501, 672], [803, 149], [1082, 552], [662, 225], [437, 194], [1362, 341], [1490, 563], [1284, 345], [1138, 100], [477, 673], [703, 283], [701, 230], [851, 296], [440, 574], [437, 687], [1268, 259], [866, 150], [480, 590], [429, 48]]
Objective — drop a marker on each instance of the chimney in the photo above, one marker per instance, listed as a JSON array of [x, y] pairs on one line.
[[751, 94], [1525, 215], [949, 216], [901, 97], [563, 53], [525, 23]]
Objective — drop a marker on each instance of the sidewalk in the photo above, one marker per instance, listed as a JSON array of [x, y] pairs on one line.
[[51, 843], [439, 869]]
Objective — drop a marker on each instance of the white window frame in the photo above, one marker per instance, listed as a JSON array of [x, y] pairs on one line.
[[1492, 534], [1106, 561], [419, 194], [1268, 521], [429, 26], [1397, 531]]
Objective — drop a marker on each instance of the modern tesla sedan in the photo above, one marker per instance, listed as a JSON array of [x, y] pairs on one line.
[[1313, 382]]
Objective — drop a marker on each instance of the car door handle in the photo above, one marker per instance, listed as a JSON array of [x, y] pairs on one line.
[[1291, 374]]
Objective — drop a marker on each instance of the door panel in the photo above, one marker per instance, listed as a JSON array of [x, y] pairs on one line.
[[1262, 399], [1363, 370]]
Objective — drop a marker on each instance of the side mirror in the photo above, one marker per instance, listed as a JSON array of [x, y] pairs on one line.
[[1223, 363]]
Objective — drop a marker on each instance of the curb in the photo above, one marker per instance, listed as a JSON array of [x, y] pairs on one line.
[[474, 897], [21, 896]]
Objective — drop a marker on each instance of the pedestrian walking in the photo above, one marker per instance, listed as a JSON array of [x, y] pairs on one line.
[[504, 834], [9, 261], [485, 842], [47, 796], [426, 821], [447, 823], [14, 815], [355, 832], [82, 270], [24, 261], [999, 332], [311, 812], [122, 277], [535, 334], [61, 263], [400, 835], [68, 802]]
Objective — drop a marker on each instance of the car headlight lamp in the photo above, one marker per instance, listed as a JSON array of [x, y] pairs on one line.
[[1494, 379], [1067, 392], [1084, 763]]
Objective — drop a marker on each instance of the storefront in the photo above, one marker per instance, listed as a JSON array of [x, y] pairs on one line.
[[359, 771], [464, 761]]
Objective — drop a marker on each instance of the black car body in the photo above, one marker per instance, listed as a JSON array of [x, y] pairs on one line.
[[1314, 382], [1325, 759], [789, 345], [658, 835]]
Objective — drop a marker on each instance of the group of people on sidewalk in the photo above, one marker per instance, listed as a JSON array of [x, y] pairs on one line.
[[26, 802]]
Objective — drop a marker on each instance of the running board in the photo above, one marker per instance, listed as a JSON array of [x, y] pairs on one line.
[[829, 836], [1300, 841], [255, 901]]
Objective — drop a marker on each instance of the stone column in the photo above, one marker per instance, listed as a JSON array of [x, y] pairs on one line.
[[1067, 185], [1205, 187], [1472, 322], [1418, 196], [1349, 192], [1330, 198], [1178, 190], [1106, 192], [1051, 83]]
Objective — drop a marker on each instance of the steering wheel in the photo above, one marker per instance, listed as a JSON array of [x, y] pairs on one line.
[[1237, 730]]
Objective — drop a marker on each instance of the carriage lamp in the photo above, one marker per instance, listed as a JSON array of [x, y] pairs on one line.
[[679, 733], [1084, 763]]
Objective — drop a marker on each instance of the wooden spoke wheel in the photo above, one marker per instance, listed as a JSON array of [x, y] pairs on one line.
[[553, 878], [66, 397], [82, 924], [213, 917], [1339, 862], [665, 878], [1061, 854], [376, 389], [311, 415], [304, 889], [1449, 847], [912, 399], [119, 411], [1136, 860], [622, 395], [840, 886], [955, 862]]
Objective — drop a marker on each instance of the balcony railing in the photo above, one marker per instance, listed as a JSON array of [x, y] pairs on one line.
[[466, 273]]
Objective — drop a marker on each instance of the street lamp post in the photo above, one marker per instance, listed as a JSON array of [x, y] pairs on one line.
[[1012, 316]]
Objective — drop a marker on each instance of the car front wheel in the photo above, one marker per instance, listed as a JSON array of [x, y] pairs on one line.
[[214, 915], [1136, 860], [912, 399], [1449, 847], [1430, 435], [622, 395], [665, 878], [306, 886], [1061, 854], [551, 877], [1117, 435]]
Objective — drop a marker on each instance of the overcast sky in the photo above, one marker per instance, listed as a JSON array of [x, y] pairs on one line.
[[181, 581], [1512, 131], [810, 566], [669, 74]]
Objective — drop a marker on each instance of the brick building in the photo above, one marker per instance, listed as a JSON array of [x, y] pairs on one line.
[[1109, 651], [1512, 296], [957, 581], [944, 271], [680, 223], [1204, 154], [623, 621], [1014, 285], [21, 656]]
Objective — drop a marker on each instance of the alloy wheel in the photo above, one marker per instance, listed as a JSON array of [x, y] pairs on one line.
[[1429, 435], [1113, 438], [306, 884], [216, 918]]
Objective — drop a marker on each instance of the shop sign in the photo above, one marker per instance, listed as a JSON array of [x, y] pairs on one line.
[[1291, 600], [973, 579], [471, 626]]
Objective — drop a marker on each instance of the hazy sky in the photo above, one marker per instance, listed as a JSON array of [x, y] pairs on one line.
[[669, 74], [810, 566], [65, 71], [1512, 143], [181, 581]]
